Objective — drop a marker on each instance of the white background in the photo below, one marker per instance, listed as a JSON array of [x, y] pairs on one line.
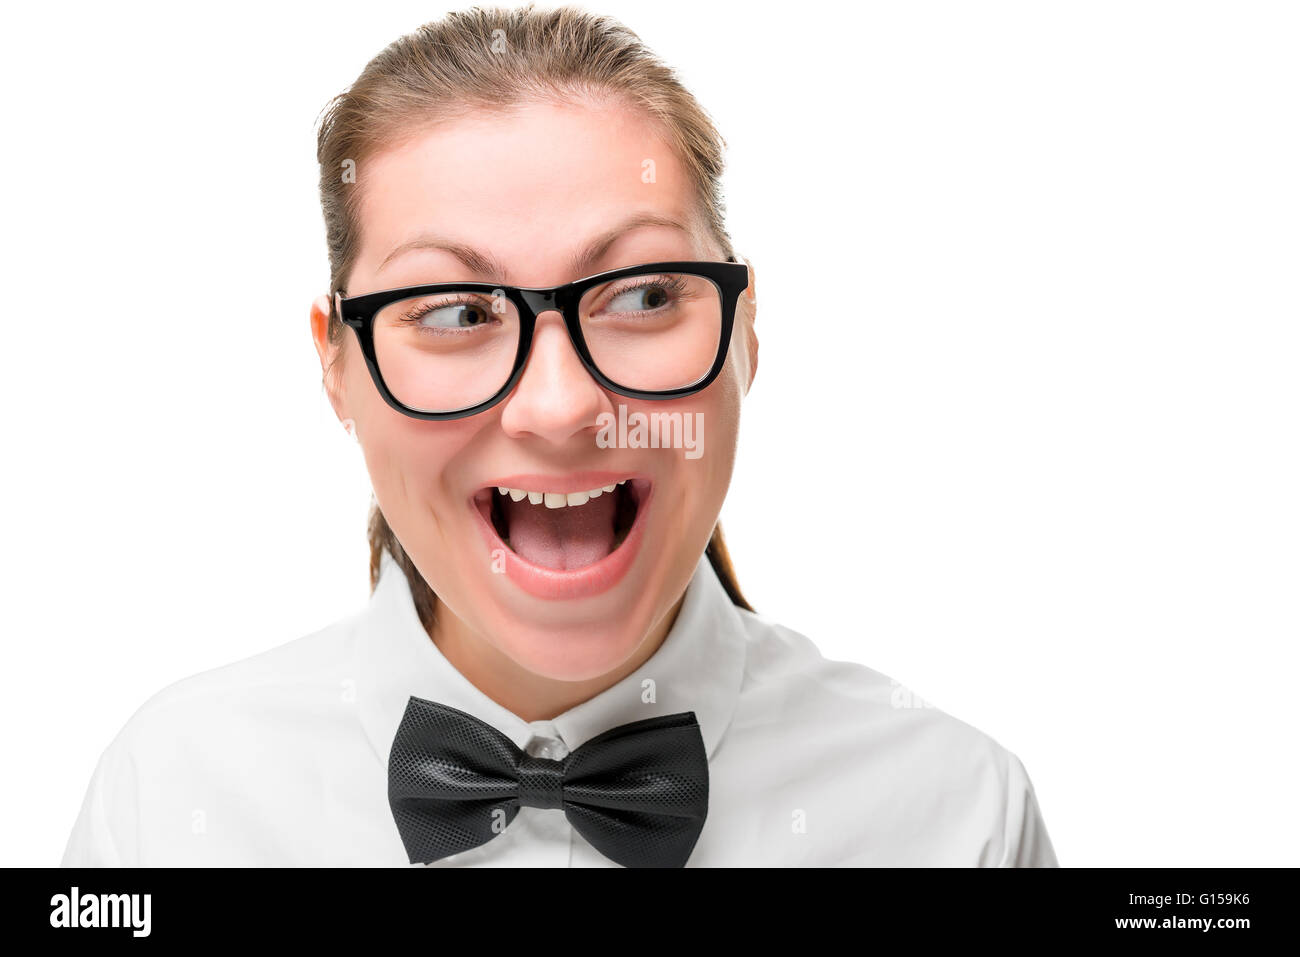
[[1046, 476]]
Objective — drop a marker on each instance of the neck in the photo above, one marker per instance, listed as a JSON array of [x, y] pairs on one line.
[[528, 695]]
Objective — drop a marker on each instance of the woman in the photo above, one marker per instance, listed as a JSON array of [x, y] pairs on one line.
[[539, 335]]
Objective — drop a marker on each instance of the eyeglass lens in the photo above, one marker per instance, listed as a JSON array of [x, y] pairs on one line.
[[453, 350]]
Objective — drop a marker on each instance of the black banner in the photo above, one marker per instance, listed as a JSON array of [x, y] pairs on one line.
[[1231, 907]]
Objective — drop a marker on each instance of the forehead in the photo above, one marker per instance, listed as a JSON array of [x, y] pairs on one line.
[[531, 187]]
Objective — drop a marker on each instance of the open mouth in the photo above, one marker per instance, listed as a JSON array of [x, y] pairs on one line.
[[564, 531]]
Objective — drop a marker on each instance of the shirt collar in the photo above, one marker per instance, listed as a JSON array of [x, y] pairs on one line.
[[698, 667]]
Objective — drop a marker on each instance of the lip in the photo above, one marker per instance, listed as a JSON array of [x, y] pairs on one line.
[[556, 584]]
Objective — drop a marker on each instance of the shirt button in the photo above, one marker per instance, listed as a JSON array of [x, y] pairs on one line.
[[544, 748], [545, 742]]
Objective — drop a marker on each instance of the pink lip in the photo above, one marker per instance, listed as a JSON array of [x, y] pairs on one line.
[[555, 584]]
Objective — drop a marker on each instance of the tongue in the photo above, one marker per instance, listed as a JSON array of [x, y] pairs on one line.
[[562, 538]]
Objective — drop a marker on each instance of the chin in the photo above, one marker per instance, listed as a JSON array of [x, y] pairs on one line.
[[567, 654]]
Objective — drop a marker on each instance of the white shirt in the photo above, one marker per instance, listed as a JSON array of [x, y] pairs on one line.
[[280, 759]]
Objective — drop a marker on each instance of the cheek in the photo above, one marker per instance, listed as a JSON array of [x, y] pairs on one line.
[[412, 466], [704, 471], [722, 423], [409, 460]]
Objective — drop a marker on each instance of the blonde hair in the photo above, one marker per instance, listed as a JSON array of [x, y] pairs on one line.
[[493, 58]]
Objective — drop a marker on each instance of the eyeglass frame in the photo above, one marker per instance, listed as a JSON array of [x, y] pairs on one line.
[[730, 278]]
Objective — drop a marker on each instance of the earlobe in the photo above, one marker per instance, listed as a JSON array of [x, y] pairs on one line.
[[751, 342], [320, 324], [326, 351]]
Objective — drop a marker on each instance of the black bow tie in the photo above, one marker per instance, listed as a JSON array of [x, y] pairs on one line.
[[638, 793]]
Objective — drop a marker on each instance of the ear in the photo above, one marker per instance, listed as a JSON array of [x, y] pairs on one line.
[[748, 308], [328, 352]]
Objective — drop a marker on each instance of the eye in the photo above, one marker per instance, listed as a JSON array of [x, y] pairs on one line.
[[637, 300], [647, 295], [464, 314]]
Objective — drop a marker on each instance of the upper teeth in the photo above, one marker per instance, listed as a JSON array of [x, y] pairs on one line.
[[557, 499]]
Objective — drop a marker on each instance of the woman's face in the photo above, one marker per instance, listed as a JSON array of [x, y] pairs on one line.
[[577, 589]]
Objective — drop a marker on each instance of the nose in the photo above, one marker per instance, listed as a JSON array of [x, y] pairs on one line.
[[556, 398]]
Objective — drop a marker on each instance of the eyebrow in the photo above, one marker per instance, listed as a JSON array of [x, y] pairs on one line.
[[580, 264]]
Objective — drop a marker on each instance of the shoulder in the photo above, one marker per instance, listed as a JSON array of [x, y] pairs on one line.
[[203, 733], [786, 669], [866, 740], [250, 693]]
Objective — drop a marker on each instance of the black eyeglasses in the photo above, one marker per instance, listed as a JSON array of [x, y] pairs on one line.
[[449, 350]]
